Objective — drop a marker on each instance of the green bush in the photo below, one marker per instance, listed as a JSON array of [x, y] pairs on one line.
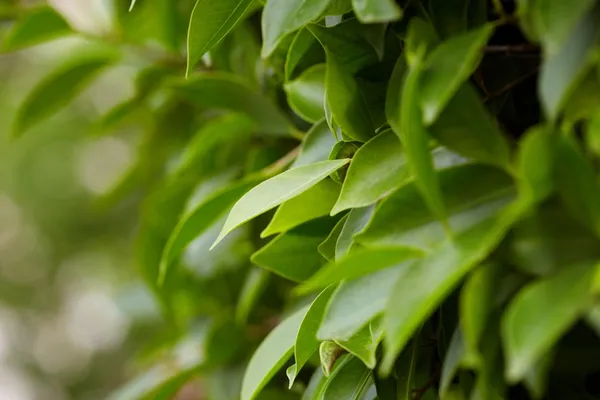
[[391, 199]]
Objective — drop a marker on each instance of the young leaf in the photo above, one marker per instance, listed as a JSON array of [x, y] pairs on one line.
[[562, 70], [327, 247], [357, 264], [415, 140], [199, 220], [306, 339], [466, 127], [363, 344], [421, 287], [271, 355], [529, 331], [447, 67], [349, 382], [281, 18], [294, 254], [357, 302], [306, 94], [467, 205], [316, 145], [346, 102], [273, 192], [357, 219], [376, 11], [294, 212], [36, 26], [57, 89], [210, 22]]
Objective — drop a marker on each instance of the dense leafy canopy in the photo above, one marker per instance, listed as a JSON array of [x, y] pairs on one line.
[[408, 189]]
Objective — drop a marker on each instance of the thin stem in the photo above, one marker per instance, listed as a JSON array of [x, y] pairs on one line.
[[280, 164]]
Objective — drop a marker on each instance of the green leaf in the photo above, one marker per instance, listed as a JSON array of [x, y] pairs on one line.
[[305, 50], [577, 184], [327, 247], [294, 212], [536, 378], [225, 91], [467, 205], [281, 18], [273, 192], [357, 302], [447, 67], [347, 43], [254, 286], [529, 331], [450, 17], [316, 145], [271, 355], [357, 264], [346, 102], [210, 22], [374, 11], [420, 39], [357, 219], [306, 339], [476, 306], [199, 220], [36, 26], [306, 94], [316, 385], [406, 370], [415, 140], [466, 127], [535, 164], [132, 5], [58, 89], [294, 254], [490, 379], [363, 344], [562, 70], [452, 361], [421, 287], [349, 382]]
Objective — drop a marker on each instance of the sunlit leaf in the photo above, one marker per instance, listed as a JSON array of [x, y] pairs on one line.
[[372, 11], [36, 26], [306, 93]]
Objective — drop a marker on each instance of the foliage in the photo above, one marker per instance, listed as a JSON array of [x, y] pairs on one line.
[[429, 169]]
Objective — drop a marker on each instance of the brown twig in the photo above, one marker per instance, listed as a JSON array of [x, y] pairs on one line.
[[280, 164], [511, 85], [512, 48]]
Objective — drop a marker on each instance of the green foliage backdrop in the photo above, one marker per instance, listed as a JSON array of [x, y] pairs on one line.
[[366, 199]]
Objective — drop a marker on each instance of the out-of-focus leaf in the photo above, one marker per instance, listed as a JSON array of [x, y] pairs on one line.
[[209, 23], [374, 11], [529, 331], [357, 219], [132, 5], [565, 67], [535, 164], [450, 17], [306, 339], [536, 378], [36, 26], [466, 127], [306, 94], [271, 355], [305, 50], [476, 306], [347, 43], [452, 360], [294, 212], [281, 18], [447, 67], [363, 344], [490, 377], [421, 287], [349, 382], [420, 39], [225, 91], [254, 285], [347, 104], [58, 88], [294, 254], [577, 184], [467, 205], [406, 370], [314, 390], [316, 145], [327, 247], [200, 219], [357, 302], [273, 192], [357, 264]]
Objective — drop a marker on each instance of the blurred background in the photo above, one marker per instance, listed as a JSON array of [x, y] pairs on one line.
[[72, 308]]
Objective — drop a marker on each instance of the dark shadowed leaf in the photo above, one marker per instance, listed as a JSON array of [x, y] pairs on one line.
[[327, 247], [271, 355], [209, 23], [452, 361], [349, 382], [273, 192]]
